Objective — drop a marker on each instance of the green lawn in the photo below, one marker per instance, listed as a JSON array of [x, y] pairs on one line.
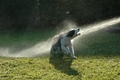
[[98, 58]]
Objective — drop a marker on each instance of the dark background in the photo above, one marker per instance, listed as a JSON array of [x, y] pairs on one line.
[[37, 14]]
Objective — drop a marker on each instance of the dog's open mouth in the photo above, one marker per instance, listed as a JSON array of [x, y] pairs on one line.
[[78, 33]]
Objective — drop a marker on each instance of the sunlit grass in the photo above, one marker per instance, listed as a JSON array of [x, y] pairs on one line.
[[83, 68]]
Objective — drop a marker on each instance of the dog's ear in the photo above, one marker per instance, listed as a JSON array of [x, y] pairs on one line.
[[70, 33]]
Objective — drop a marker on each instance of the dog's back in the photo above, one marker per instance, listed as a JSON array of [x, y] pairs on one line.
[[56, 41]]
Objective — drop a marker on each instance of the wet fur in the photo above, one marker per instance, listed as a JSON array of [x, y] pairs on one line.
[[63, 42]]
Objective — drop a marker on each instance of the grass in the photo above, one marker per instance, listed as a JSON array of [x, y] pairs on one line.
[[98, 58]]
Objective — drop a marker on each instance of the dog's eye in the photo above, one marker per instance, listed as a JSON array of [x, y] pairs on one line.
[[78, 29]]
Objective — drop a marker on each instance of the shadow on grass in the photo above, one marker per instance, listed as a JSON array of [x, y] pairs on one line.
[[64, 65]]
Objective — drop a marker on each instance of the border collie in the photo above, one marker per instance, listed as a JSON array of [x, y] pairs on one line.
[[63, 42]]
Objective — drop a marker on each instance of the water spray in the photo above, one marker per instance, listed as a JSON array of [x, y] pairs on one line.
[[99, 26], [42, 48]]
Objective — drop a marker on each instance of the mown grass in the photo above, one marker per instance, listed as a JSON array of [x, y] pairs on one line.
[[98, 59], [83, 68]]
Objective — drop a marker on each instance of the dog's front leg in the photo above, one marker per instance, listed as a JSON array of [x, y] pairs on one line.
[[65, 49], [72, 51]]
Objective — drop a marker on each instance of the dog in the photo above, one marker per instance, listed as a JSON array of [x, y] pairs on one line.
[[63, 42]]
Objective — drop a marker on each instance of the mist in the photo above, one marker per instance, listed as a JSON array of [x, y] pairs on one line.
[[43, 48], [34, 51]]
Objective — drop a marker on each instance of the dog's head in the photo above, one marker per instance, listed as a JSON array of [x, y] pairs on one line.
[[73, 33]]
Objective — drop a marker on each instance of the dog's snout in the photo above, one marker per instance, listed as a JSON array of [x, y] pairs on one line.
[[78, 29]]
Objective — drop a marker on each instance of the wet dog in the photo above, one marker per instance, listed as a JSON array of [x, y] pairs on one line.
[[63, 42]]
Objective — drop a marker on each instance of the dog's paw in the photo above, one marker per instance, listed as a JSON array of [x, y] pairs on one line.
[[74, 57]]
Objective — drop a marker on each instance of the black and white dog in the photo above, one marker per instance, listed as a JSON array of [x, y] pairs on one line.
[[63, 42]]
